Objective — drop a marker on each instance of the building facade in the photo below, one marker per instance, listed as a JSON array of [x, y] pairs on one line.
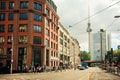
[[74, 51], [68, 48], [64, 46], [99, 46], [28, 33]]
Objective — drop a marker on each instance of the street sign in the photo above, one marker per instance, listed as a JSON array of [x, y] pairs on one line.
[[8, 57]]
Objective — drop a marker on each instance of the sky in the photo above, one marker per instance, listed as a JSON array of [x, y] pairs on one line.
[[101, 12]]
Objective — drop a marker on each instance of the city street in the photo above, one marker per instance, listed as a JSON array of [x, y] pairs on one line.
[[93, 73]]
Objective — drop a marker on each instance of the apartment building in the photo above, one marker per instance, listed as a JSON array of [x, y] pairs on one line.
[[28, 33], [74, 51], [68, 48], [64, 46]]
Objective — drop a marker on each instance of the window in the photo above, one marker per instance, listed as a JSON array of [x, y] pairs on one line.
[[61, 33], [38, 17], [23, 5], [23, 39], [23, 28], [51, 44], [2, 28], [23, 16], [56, 38], [65, 37], [22, 55], [65, 44], [10, 16], [47, 12], [51, 35], [9, 40], [61, 41], [11, 5], [47, 32], [37, 55], [47, 42], [1, 39], [46, 21], [3, 5], [38, 6], [37, 40], [10, 28], [37, 28], [2, 16]]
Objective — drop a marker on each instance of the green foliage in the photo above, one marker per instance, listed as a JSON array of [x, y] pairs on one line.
[[116, 53], [109, 56], [84, 55]]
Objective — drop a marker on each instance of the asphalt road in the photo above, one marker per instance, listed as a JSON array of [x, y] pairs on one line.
[[93, 73]]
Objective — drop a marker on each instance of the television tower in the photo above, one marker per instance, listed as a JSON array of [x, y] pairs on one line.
[[89, 29]]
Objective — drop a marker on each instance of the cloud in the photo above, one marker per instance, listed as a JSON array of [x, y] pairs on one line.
[[115, 40], [75, 12]]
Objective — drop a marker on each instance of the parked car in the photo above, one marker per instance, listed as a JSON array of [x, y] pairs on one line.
[[85, 64], [81, 67]]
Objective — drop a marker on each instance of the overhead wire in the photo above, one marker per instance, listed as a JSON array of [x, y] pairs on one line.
[[95, 13], [109, 26]]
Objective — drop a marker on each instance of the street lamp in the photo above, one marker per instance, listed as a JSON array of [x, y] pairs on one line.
[[74, 57], [11, 64], [116, 16]]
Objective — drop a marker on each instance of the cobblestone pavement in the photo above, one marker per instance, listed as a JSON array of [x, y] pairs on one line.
[[93, 73], [103, 75]]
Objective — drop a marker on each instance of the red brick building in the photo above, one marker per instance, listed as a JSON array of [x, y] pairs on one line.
[[29, 28]]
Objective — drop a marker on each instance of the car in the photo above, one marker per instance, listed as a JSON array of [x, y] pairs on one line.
[[81, 67]]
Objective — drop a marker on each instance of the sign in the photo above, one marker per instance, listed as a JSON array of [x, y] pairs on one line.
[[8, 57]]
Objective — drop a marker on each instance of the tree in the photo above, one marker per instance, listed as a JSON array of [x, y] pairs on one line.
[[84, 55], [110, 56], [117, 54]]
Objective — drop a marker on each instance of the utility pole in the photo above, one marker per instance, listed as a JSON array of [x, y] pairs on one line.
[[88, 28]]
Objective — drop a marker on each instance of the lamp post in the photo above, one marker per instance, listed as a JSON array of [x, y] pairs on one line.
[[101, 44], [11, 64], [74, 57]]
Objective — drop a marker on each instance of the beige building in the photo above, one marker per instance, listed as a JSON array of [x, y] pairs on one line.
[[68, 48], [74, 51]]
